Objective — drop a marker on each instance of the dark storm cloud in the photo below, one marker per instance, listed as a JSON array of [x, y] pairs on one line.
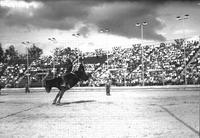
[[3, 12], [63, 9], [121, 18], [57, 15], [118, 15]]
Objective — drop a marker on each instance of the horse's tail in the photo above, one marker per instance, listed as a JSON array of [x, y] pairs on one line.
[[44, 82], [45, 78]]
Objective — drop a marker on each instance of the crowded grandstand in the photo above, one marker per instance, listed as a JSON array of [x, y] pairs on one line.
[[174, 62]]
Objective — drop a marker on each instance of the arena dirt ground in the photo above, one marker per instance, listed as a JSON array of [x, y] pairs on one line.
[[137, 113]]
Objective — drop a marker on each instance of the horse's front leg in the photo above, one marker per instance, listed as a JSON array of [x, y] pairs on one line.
[[61, 95], [54, 101]]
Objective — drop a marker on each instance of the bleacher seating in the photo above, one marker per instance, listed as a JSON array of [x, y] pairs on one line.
[[163, 65]]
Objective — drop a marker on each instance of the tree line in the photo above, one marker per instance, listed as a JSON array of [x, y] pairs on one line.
[[12, 56]]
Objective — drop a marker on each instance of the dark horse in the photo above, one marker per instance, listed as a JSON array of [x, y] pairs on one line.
[[71, 79]]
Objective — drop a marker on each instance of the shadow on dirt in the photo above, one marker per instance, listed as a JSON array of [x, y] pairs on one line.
[[4, 94], [76, 102], [108, 103]]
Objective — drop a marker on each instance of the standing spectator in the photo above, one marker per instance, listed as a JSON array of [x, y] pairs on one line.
[[108, 84], [0, 88], [2, 85], [27, 90]]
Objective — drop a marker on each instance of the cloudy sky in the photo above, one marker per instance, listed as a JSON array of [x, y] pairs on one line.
[[38, 20]]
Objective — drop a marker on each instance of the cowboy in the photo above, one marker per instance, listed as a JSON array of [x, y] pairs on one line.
[[66, 72]]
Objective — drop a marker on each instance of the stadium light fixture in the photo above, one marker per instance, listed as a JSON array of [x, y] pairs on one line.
[[137, 24], [52, 39], [180, 18], [104, 30], [144, 23], [76, 34], [141, 25], [186, 16], [107, 30]]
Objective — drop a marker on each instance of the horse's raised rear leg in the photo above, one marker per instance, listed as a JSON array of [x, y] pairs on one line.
[[54, 101], [60, 96]]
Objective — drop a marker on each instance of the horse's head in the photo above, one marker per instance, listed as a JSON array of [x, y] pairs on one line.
[[47, 86], [81, 73]]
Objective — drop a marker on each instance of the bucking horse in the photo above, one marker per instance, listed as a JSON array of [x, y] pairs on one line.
[[71, 79]]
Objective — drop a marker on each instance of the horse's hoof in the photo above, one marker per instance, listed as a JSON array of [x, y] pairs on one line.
[[57, 103], [53, 103]]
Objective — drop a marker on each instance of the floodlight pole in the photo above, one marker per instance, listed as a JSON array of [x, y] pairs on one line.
[[184, 44], [141, 25], [53, 40], [105, 30], [107, 58], [77, 35], [27, 62]]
